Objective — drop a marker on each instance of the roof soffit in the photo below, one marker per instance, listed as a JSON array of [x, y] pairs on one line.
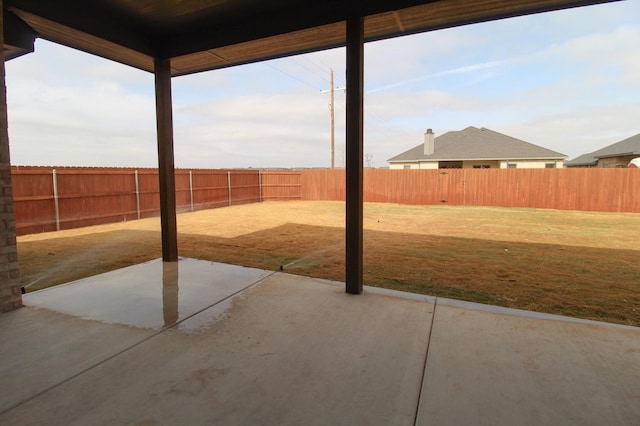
[[210, 34]]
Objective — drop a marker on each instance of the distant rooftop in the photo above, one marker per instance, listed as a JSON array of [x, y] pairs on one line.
[[475, 143], [629, 146]]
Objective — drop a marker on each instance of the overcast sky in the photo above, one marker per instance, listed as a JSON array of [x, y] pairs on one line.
[[568, 81]]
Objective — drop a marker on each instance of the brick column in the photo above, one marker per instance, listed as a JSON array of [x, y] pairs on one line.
[[10, 294]]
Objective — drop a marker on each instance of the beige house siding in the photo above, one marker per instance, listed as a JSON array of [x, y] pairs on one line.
[[494, 164], [429, 165], [400, 166], [413, 166], [532, 164]]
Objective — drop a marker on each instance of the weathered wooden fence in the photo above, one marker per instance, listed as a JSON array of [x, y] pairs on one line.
[[48, 199], [602, 190], [280, 185]]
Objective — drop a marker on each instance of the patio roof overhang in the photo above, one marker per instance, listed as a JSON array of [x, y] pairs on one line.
[[199, 35]]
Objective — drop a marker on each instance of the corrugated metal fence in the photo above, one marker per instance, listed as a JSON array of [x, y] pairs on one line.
[[47, 199]]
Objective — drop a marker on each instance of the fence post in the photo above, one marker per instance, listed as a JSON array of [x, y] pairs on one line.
[[260, 184], [229, 184], [191, 188], [55, 198], [137, 194]]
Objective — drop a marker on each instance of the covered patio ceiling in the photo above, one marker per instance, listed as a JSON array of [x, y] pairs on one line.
[[199, 35]]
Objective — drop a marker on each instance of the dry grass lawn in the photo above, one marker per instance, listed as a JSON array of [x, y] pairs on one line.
[[579, 264]]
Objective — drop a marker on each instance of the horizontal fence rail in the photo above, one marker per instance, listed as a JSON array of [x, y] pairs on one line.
[[49, 199]]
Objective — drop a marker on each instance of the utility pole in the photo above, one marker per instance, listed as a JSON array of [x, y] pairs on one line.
[[332, 109], [333, 133]]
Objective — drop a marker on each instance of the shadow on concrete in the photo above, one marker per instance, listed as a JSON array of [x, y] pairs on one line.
[[592, 283]]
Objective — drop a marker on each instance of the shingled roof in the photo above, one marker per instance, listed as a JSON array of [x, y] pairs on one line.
[[477, 144], [629, 146]]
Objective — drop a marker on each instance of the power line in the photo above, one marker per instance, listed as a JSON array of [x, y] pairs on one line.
[[333, 128], [378, 122], [382, 125], [323, 77], [339, 80], [292, 76], [308, 57]]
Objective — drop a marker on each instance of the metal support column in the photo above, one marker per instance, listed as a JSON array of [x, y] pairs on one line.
[[166, 171], [354, 148]]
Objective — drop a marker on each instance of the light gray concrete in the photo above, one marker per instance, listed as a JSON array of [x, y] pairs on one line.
[[287, 351], [489, 368], [151, 295], [51, 341], [41, 348], [240, 346]]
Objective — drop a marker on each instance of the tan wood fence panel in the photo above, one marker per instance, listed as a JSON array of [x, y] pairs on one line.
[[281, 185], [245, 186], [323, 184], [602, 190], [47, 199], [33, 200]]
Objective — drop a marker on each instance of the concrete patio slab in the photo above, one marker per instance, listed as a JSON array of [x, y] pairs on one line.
[[51, 342], [497, 366], [40, 349], [152, 295], [290, 350], [257, 347]]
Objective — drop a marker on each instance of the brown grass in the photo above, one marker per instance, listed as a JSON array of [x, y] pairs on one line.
[[570, 263]]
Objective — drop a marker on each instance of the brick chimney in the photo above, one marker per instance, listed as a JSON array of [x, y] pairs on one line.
[[429, 144]]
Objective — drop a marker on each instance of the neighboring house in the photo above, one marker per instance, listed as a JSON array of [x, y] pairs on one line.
[[617, 155], [478, 149]]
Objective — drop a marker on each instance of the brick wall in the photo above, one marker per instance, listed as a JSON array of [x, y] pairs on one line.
[[622, 161], [10, 294]]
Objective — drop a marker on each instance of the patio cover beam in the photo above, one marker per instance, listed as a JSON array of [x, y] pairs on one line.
[[354, 142], [166, 170], [199, 35]]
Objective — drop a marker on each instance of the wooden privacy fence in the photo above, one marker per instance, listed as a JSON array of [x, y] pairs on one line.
[[602, 190], [48, 199]]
